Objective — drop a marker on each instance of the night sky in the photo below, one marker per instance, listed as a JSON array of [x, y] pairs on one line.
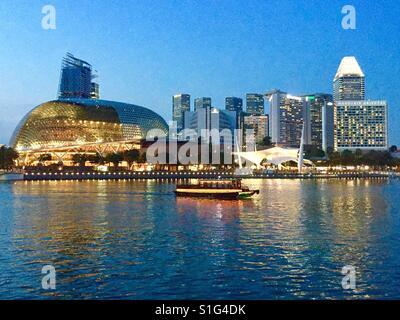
[[146, 51]]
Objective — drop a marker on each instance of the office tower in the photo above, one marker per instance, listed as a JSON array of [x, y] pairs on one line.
[[349, 81], [255, 103], [209, 119], [94, 90], [287, 116], [259, 125], [321, 120], [76, 78], [180, 105], [203, 102], [233, 104], [361, 125]]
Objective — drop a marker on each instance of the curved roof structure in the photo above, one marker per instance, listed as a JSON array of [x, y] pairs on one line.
[[275, 155], [349, 67], [76, 121]]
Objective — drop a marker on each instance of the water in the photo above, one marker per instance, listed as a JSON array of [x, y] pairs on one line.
[[135, 240]]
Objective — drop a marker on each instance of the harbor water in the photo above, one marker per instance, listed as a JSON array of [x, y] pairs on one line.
[[136, 240]]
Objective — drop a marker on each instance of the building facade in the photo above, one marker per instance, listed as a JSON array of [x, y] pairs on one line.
[[68, 126], [288, 114], [203, 102], [76, 78], [255, 104], [361, 125], [321, 120], [259, 125], [358, 123], [180, 105], [234, 104], [349, 81], [95, 91], [209, 119]]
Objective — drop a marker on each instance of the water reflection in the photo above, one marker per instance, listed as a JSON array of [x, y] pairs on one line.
[[135, 239]]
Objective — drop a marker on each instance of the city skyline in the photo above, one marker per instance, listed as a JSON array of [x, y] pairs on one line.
[[207, 156], [217, 73]]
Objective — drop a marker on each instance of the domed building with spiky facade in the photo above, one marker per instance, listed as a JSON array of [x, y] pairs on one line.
[[65, 127]]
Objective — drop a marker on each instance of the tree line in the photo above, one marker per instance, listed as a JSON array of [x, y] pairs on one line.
[[346, 157], [130, 156], [7, 158], [357, 158], [353, 158]]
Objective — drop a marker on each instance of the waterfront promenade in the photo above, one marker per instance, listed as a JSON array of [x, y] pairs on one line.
[[127, 175]]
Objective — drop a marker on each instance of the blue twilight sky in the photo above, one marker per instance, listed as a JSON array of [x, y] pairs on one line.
[[146, 51]]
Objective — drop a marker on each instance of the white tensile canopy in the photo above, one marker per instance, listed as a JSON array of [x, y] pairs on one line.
[[275, 155]]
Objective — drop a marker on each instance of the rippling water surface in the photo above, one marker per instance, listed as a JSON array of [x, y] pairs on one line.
[[135, 240]]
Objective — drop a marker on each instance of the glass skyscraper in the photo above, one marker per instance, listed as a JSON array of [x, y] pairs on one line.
[[260, 125], [204, 102], [255, 104], [76, 79], [321, 118], [287, 116], [209, 119], [180, 105], [94, 91], [234, 104], [349, 81]]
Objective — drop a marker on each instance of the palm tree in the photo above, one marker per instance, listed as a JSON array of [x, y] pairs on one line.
[[7, 157], [44, 157], [96, 159], [114, 158], [80, 158], [266, 141], [131, 156], [142, 158]]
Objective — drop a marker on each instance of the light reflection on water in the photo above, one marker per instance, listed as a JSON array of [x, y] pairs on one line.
[[135, 240]]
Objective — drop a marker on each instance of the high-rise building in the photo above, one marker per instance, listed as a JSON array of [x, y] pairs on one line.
[[358, 123], [321, 120], [349, 81], [288, 114], [361, 125], [259, 124], [210, 118], [180, 105], [76, 78], [234, 104], [94, 91], [203, 102], [255, 103]]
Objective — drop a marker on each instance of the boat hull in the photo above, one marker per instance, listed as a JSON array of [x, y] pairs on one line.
[[231, 195]]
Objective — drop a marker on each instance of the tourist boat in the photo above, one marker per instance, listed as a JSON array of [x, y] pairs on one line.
[[221, 189]]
